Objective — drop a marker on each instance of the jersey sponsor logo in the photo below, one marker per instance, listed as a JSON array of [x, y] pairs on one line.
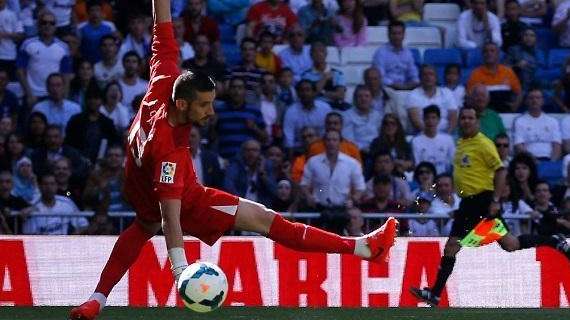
[[167, 172]]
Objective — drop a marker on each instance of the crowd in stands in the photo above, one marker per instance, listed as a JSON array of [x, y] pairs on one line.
[[293, 129]]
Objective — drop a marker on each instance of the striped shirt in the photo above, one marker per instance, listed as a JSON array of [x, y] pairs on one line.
[[252, 78], [232, 126]]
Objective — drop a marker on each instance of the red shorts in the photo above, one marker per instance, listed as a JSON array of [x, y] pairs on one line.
[[206, 215]]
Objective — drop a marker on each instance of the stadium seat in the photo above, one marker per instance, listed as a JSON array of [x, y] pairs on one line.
[[442, 57], [465, 74], [232, 53], [423, 37], [227, 33], [473, 57], [357, 55], [550, 171], [556, 57], [441, 12], [417, 55], [547, 75], [376, 36], [353, 74], [546, 39], [333, 56]]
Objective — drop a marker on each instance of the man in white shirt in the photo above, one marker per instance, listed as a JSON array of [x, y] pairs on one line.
[[561, 23], [332, 179], [477, 26], [296, 55], [362, 122], [110, 67], [431, 145], [537, 132], [131, 83], [138, 38], [446, 201], [56, 108], [62, 209], [11, 31], [62, 9], [428, 93]]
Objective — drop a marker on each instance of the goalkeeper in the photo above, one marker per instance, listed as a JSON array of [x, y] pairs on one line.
[[480, 179]]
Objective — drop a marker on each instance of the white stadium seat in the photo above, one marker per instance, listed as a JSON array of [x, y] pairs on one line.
[[441, 12], [353, 74], [333, 56], [357, 55], [376, 36], [423, 38]]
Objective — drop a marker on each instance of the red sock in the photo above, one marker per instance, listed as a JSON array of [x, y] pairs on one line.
[[124, 254], [302, 237]]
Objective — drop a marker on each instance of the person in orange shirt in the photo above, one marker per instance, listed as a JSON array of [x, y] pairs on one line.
[[308, 136], [333, 121], [265, 58], [80, 10], [501, 81]]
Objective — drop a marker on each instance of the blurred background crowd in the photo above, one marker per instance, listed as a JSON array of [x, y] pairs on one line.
[[346, 109]]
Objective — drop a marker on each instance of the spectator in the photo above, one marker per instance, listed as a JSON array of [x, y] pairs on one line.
[[9, 204], [113, 109], [286, 94], [478, 26], [138, 38], [424, 177], [428, 93], [100, 225], [432, 146], [534, 12], [250, 176], [361, 121], [204, 62], [332, 179], [501, 81], [103, 190], [186, 50], [237, 121], [396, 63], [93, 30], [381, 101], [195, 22], [53, 149], [274, 16], [562, 89], [81, 9], [74, 44], [384, 165], [392, 139], [229, 12], [62, 9], [131, 83], [41, 56], [503, 148], [490, 122], [35, 130], [329, 81], [296, 56], [271, 110], [382, 199], [452, 74], [308, 112], [355, 227], [56, 108], [561, 192], [446, 201], [206, 163], [25, 181], [6, 126], [12, 32], [9, 104], [409, 12], [422, 226], [83, 81], [512, 29], [66, 185], [351, 24], [525, 59], [110, 68], [561, 23], [523, 177], [281, 166], [248, 71], [27, 15], [513, 207], [265, 58], [89, 131], [15, 150], [50, 202], [334, 122], [318, 20], [547, 219], [308, 136], [537, 132]]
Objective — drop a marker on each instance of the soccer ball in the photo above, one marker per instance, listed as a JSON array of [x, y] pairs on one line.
[[203, 286]]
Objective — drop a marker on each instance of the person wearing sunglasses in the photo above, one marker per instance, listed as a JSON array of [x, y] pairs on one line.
[[503, 148]]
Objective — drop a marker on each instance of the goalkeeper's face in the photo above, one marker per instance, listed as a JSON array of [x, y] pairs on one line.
[[201, 109]]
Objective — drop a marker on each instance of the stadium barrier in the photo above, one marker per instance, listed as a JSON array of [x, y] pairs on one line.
[[61, 271]]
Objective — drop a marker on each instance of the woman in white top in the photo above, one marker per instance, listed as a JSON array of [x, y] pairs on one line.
[[112, 107]]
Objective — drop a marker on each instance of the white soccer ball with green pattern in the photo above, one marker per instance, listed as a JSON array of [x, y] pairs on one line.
[[203, 286]]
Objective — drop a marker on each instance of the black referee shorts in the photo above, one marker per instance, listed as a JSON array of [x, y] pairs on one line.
[[471, 211]]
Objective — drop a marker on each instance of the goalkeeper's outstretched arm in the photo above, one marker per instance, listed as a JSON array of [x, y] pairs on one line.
[[161, 11]]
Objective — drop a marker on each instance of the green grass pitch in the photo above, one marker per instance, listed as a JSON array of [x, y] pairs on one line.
[[237, 313]]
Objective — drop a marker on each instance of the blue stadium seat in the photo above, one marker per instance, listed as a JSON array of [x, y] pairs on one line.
[[465, 74], [227, 33], [473, 57], [417, 56], [442, 57], [556, 57], [232, 53], [546, 39], [550, 171], [547, 75]]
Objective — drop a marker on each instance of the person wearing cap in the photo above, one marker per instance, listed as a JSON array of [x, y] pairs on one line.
[[422, 226]]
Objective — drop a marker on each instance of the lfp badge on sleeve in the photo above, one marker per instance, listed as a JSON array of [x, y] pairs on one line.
[[167, 172]]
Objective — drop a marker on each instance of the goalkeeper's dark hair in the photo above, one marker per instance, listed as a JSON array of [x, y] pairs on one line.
[[188, 83]]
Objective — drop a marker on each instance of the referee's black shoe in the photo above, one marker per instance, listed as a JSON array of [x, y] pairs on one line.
[[425, 295], [562, 245]]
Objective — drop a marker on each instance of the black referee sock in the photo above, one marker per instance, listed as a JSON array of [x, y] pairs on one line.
[[530, 241], [445, 270]]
